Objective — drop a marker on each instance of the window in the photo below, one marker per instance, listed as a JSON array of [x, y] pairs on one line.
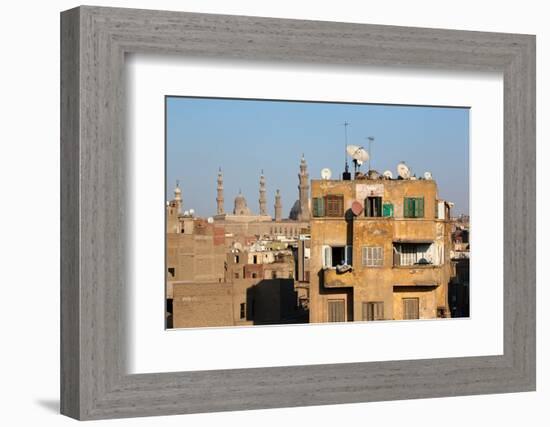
[[334, 205], [253, 275], [336, 310], [413, 207], [318, 207], [236, 259], [236, 275], [255, 259], [413, 254], [373, 256], [337, 255], [373, 206], [373, 310], [387, 210], [410, 308], [243, 310], [172, 271]]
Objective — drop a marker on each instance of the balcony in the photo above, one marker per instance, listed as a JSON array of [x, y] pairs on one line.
[[334, 279], [418, 275]]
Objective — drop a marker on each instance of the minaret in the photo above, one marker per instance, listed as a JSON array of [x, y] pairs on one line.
[[263, 201], [219, 199], [303, 188], [177, 198], [278, 206]]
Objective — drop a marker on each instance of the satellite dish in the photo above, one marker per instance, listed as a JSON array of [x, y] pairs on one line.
[[210, 220], [359, 154], [356, 208], [186, 213], [191, 212], [388, 174], [428, 175], [403, 171], [351, 149], [326, 173]]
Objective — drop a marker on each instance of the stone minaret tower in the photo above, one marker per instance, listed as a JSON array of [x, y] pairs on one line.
[[303, 189], [278, 206], [263, 201], [177, 198], [219, 199]]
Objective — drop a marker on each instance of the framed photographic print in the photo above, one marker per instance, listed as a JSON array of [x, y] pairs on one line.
[[262, 213]]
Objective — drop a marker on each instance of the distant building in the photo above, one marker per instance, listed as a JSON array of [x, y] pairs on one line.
[[236, 268], [379, 250], [459, 287]]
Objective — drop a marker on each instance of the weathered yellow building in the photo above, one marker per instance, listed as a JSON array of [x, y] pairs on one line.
[[379, 250]]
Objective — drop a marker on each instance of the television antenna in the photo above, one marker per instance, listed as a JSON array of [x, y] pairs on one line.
[[371, 140], [345, 124]]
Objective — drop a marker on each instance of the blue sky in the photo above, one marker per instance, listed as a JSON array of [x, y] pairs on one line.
[[245, 136]]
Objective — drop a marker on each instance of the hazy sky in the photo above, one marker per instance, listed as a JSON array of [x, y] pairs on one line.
[[243, 137]]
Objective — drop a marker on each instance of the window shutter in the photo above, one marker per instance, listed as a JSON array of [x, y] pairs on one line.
[[388, 210], [327, 259], [419, 207], [406, 208], [318, 207]]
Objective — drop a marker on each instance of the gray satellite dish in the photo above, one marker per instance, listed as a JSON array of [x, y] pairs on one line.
[[428, 175], [403, 170], [388, 175], [326, 173]]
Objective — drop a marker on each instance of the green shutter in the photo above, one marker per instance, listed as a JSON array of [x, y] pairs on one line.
[[407, 207], [388, 209], [318, 207], [419, 207]]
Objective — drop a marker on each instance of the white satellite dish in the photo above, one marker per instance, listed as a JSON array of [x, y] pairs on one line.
[[326, 173], [191, 212], [210, 220], [359, 154], [403, 171], [186, 213], [351, 149], [388, 174], [428, 175]]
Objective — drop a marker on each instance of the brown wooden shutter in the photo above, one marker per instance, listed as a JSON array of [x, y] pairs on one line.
[[336, 310], [410, 308]]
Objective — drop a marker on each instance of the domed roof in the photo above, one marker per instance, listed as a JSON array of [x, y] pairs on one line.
[[241, 207], [295, 210]]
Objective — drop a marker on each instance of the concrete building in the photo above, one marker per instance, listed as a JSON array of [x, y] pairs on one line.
[[379, 250]]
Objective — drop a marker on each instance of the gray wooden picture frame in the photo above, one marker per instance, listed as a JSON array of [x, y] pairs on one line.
[[94, 382]]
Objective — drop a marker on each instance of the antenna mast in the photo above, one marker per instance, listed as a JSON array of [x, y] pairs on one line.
[[371, 140], [346, 124]]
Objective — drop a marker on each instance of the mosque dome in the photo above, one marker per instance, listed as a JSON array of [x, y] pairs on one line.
[[241, 207], [295, 210]]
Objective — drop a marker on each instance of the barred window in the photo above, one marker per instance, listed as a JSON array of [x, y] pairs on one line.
[[334, 205], [373, 256]]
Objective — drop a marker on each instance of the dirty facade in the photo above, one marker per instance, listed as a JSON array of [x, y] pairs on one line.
[[379, 250]]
